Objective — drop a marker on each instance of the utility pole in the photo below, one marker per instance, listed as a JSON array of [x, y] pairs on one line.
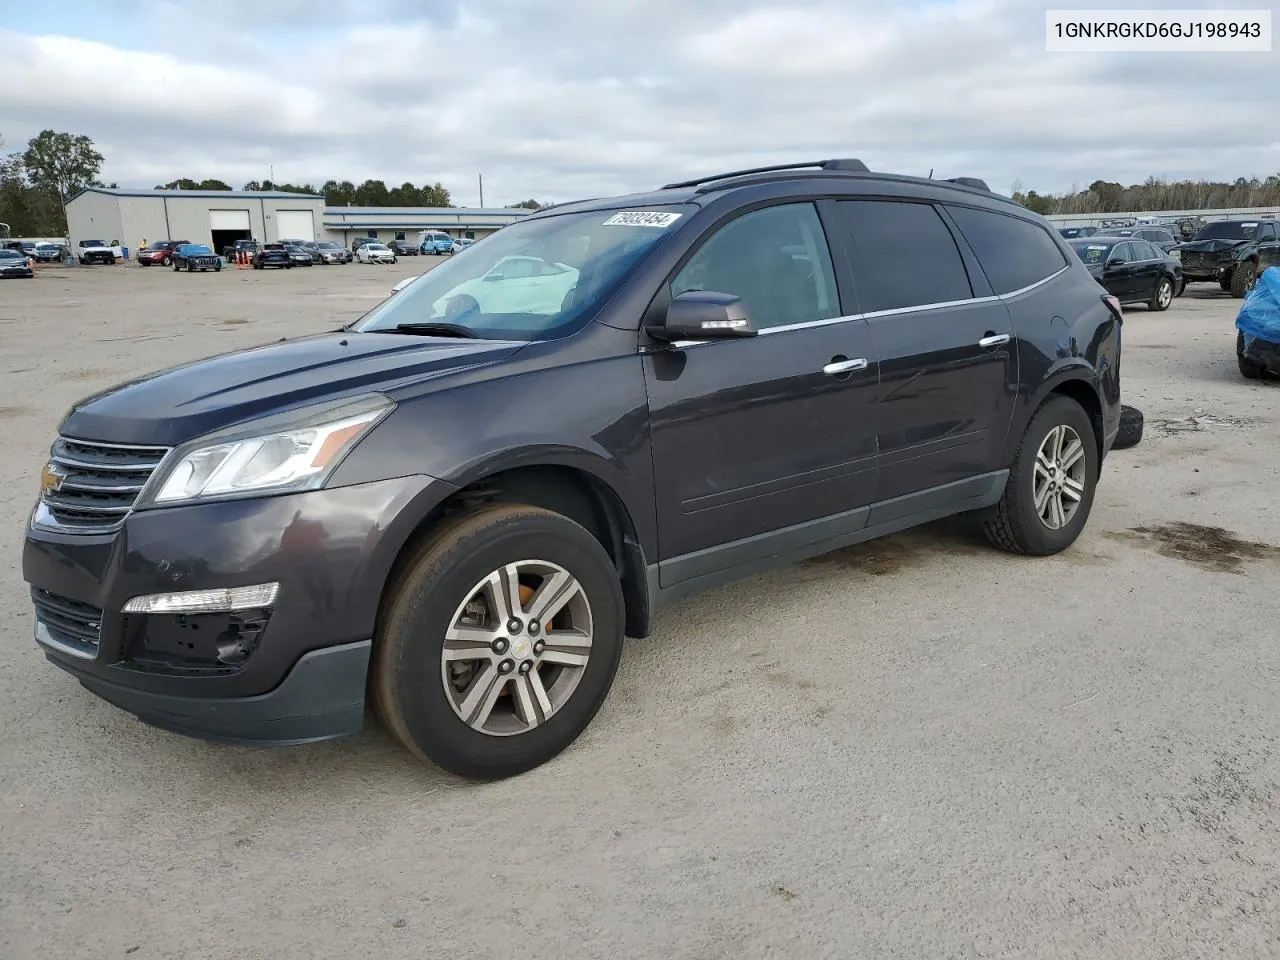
[[481, 176], [272, 168]]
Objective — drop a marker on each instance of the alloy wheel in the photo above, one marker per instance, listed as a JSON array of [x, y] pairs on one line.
[[1058, 482], [516, 648], [1165, 293]]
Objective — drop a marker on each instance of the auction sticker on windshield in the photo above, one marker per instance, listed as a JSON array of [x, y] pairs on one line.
[[642, 218], [1094, 252]]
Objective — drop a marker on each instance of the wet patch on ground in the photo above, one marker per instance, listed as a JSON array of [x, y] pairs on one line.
[[1151, 346], [7, 413], [1211, 548], [235, 321]]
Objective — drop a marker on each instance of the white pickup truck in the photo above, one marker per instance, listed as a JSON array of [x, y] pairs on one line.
[[95, 251]]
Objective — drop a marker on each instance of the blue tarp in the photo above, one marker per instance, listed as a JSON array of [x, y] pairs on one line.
[[1259, 315]]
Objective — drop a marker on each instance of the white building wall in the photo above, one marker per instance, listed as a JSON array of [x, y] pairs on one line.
[[93, 216]]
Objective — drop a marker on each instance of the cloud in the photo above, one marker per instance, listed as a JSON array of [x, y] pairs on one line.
[[574, 99]]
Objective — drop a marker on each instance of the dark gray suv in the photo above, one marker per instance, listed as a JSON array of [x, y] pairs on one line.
[[456, 507]]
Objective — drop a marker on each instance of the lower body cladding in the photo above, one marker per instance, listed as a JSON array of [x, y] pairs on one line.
[[215, 650]]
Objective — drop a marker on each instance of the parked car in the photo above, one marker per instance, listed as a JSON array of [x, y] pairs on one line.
[[359, 242], [45, 252], [160, 252], [332, 253], [436, 243], [1160, 237], [1258, 328], [361, 511], [404, 248], [195, 256], [1131, 270], [461, 243], [1073, 233], [95, 251], [272, 255], [310, 246], [297, 256], [1228, 251], [375, 253], [14, 263]]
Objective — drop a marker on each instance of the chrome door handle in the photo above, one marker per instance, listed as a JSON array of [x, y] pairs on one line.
[[844, 366], [995, 341]]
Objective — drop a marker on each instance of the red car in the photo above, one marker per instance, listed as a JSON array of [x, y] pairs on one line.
[[160, 252]]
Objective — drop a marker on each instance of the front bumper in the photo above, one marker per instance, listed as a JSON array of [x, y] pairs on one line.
[[298, 672], [23, 271]]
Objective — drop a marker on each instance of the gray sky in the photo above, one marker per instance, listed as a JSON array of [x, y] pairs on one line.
[[573, 98]]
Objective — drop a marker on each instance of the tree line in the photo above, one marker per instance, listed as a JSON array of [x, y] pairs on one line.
[[1155, 194]]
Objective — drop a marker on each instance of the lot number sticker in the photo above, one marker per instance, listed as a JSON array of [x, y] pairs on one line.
[[642, 218]]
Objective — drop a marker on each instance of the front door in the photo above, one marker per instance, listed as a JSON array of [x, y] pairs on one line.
[[947, 357], [759, 445], [1123, 279]]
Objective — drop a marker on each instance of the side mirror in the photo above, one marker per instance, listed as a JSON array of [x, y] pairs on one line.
[[1117, 262], [704, 315]]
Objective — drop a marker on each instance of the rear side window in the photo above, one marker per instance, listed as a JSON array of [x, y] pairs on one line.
[[903, 255], [1014, 253], [1148, 252]]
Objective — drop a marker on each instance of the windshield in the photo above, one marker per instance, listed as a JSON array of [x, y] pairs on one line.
[[94, 243], [374, 246], [194, 248], [533, 280], [1228, 231], [326, 245], [11, 255], [1090, 253]]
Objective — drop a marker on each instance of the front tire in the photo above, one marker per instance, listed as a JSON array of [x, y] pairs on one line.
[[463, 620], [1162, 296], [1243, 277], [1051, 485], [166, 261]]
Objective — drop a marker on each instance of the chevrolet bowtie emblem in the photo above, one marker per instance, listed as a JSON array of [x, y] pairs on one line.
[[51, 479]]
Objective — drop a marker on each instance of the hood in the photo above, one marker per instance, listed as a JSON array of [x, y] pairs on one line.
[[1210, 246], [181, 403]]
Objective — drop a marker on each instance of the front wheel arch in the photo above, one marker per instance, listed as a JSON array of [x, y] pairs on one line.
[[572, 492]]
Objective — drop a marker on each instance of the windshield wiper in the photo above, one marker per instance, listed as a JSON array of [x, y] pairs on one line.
[[431, 329]]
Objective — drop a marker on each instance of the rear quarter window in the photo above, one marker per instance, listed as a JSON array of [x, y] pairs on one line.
[[1014, 253]]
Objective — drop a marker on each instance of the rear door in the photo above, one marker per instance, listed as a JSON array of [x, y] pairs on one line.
[[1148, 268], [947, 360]]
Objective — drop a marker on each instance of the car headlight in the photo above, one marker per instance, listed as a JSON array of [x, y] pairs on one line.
[[286, 453]]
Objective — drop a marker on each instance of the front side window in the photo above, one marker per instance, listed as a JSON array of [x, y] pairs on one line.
[[536, 279], [1014, 253], [903, 255], [776, 259]]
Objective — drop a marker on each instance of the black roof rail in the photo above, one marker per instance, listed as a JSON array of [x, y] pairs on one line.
[[848, 164], [970, 182]]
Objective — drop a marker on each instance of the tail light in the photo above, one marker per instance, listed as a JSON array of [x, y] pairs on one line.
[[1113, 305]]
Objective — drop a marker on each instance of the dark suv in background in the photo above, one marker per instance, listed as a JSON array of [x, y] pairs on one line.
[[460, 503]]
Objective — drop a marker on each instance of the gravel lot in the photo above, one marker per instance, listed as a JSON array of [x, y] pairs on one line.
[[918, 748]]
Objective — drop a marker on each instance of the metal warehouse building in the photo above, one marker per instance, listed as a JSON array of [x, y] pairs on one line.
[[344, 224], [219, 218], [215, 217]]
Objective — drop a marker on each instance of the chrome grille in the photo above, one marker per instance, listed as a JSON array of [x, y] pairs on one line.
[[68, 625], [100, 482]]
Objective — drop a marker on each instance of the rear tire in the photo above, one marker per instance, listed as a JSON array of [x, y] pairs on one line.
[[1243, 277], [1248, 369], [1019, 525], [1162, 296], [1130, 434], [408, 673]]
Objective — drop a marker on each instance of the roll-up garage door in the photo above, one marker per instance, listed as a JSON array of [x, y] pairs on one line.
[[295, 225], [229, 220]]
